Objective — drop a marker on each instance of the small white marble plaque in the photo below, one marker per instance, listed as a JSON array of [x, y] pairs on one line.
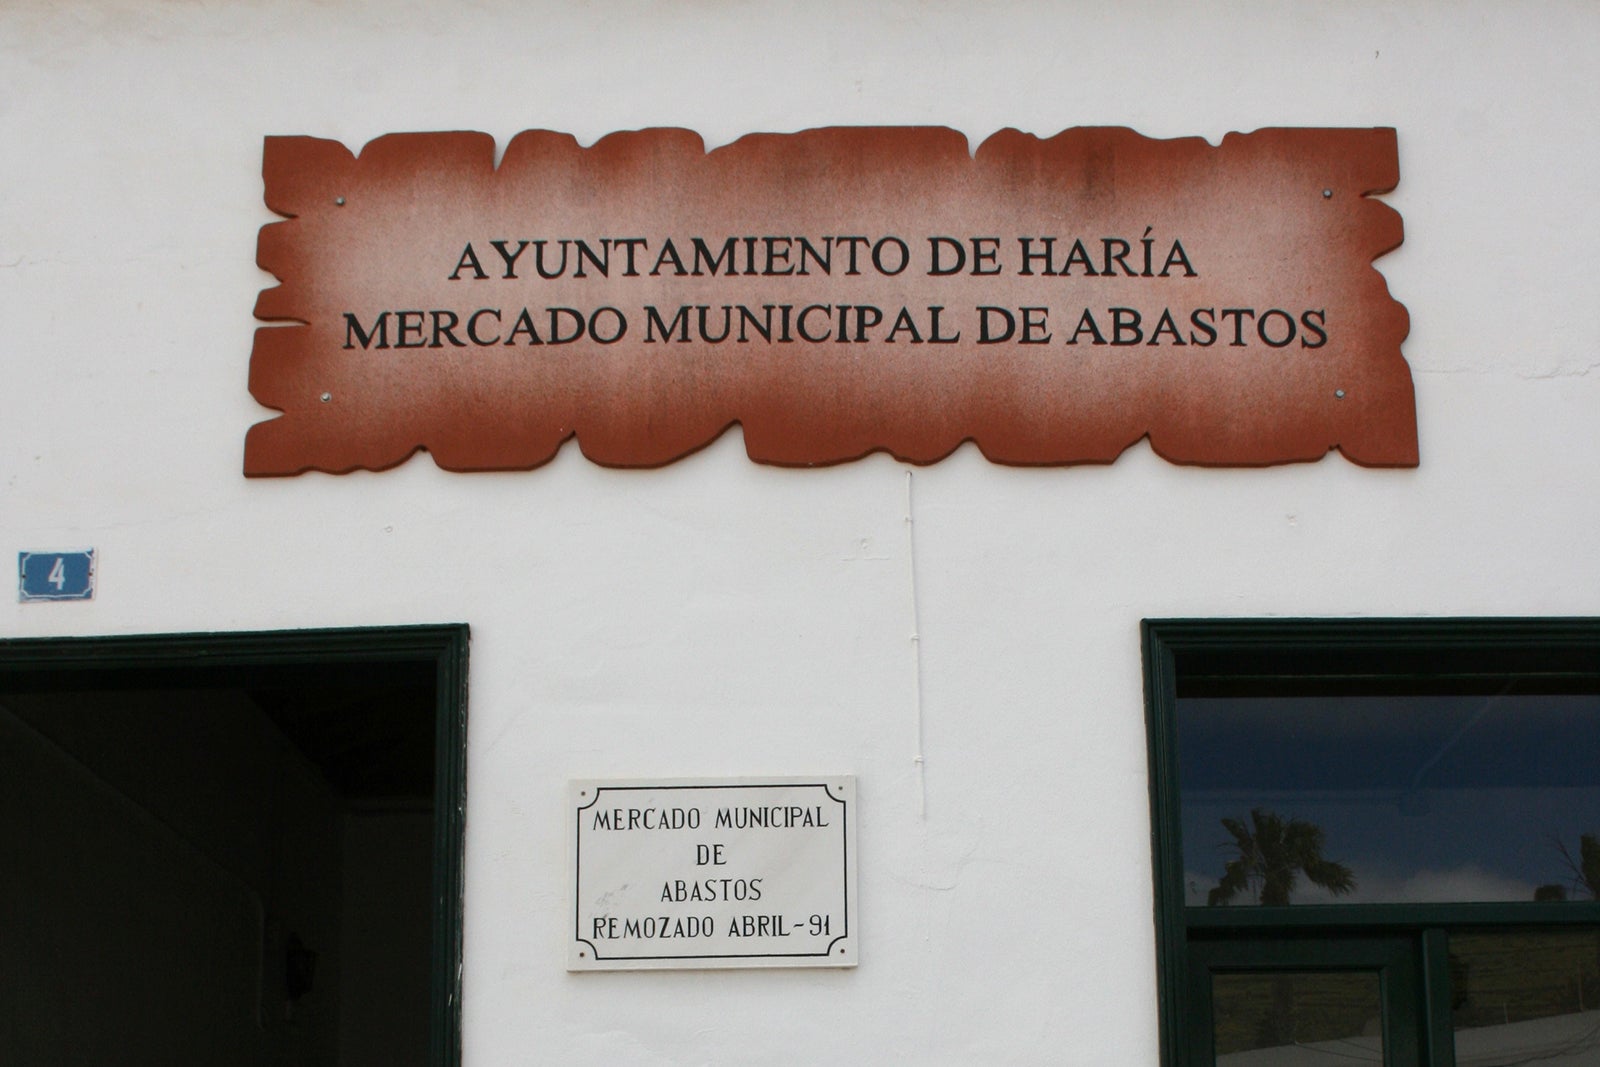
[[739, 872]]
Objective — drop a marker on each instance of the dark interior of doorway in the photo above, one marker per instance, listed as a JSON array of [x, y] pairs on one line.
[[240, 848]]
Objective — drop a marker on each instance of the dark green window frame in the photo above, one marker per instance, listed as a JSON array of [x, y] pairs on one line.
[[242, 659], [1267, 656]]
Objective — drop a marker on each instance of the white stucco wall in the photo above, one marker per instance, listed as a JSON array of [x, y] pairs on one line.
[[715, 617]]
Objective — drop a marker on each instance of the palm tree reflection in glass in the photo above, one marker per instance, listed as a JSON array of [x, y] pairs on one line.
[[1271, 856]]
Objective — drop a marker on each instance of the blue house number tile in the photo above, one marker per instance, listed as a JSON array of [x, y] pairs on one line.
[[55, 575]]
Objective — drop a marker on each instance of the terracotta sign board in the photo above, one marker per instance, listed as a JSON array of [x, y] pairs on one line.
[[742, 872], [834, 292]]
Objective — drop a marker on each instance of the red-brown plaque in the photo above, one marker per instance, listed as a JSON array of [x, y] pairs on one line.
[[834, 292]]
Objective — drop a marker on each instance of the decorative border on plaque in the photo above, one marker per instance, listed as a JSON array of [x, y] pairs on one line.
[[834, 292], [687, 873]]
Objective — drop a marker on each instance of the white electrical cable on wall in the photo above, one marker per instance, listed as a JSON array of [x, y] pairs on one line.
[[916, 651]]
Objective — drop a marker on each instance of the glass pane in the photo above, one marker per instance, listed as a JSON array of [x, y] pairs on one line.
[[1526, 997], [1307, 1019], [1390, 798]]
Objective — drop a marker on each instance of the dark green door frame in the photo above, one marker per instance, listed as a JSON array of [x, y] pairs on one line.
[[244, 659]]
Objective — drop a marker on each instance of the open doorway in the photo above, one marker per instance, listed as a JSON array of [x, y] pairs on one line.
[[233, 848]]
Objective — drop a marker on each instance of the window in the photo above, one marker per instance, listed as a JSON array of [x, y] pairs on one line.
[[1377, 841]]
